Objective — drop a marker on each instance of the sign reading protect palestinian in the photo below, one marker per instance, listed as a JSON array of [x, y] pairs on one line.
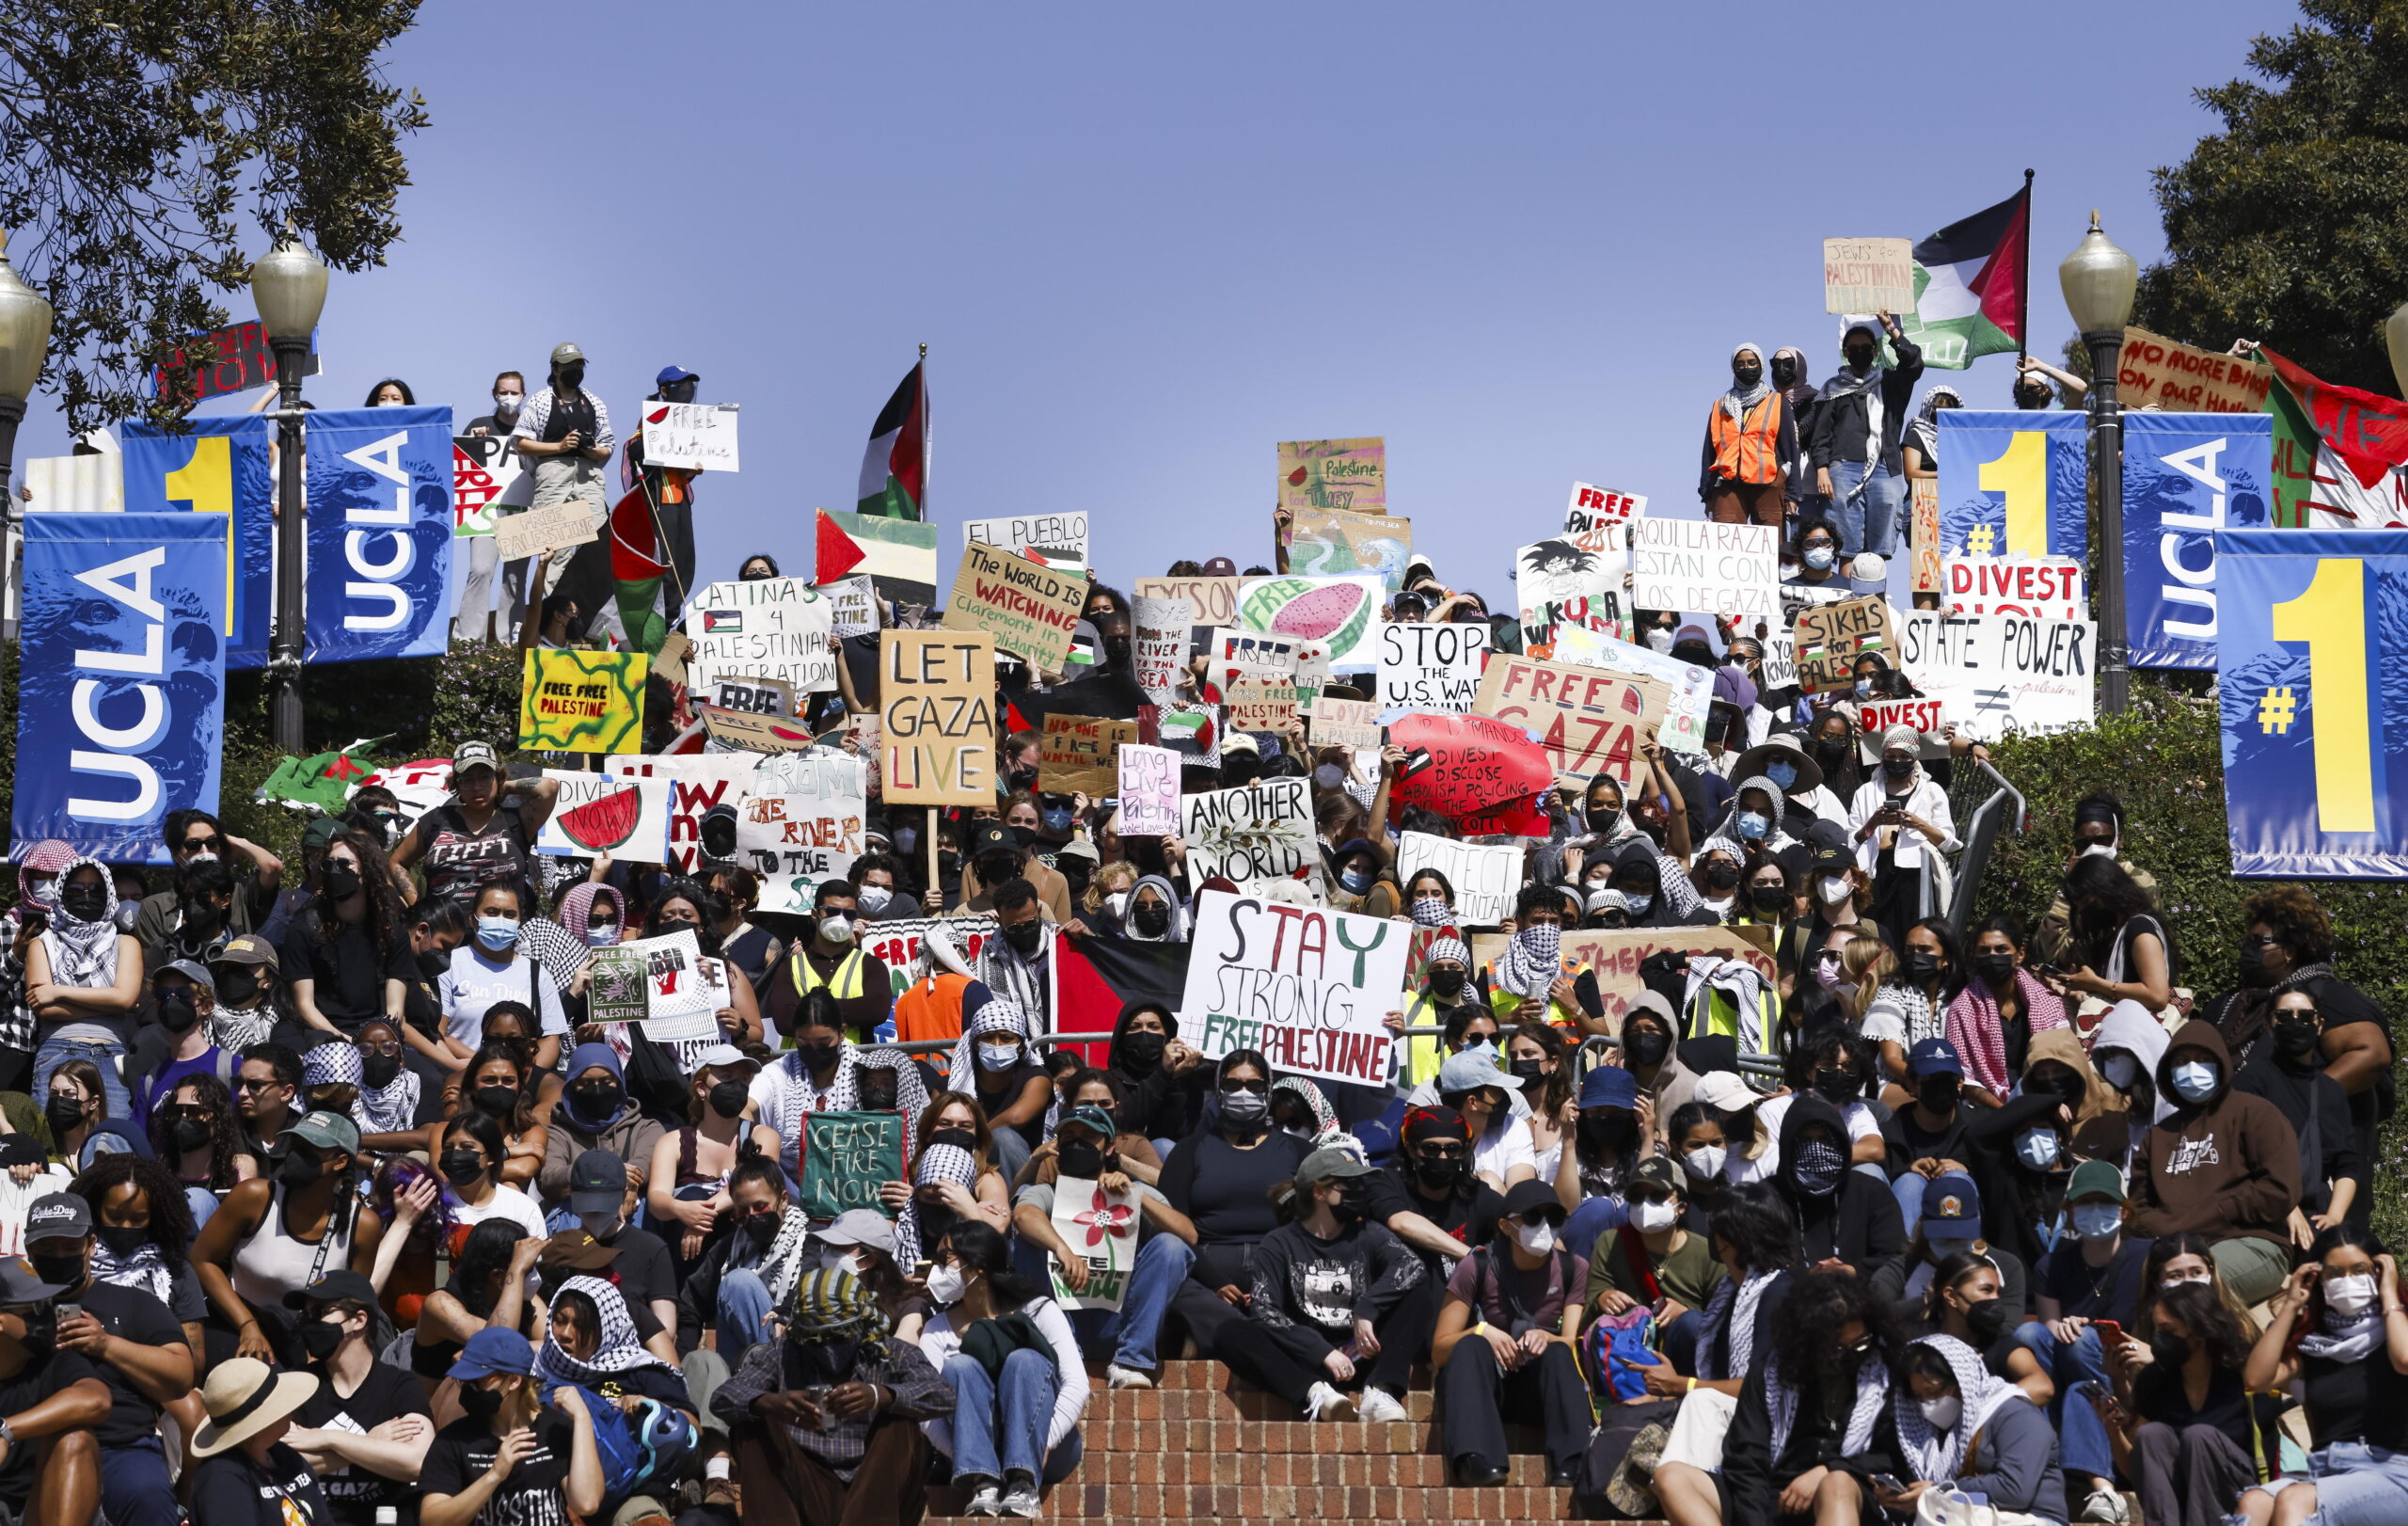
[[1326, 542], [1590, 721], [1594, 508], [1431, 667], [1029, 610], [1347, 475], [937, 714], [1829, 637], [1310, 989], [601, 813], [1709, 568], [806, 832], [847, 1158], [1054, 538], [693, 436], [1252, 835], [1485, 878], [1615, 955], [1158, 642], [772, 627], [582, 702], [1868, 275], [2156, 372], [1079, 755]]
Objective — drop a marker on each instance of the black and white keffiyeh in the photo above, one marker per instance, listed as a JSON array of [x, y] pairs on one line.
[[1532, 962], [145, 1269], [1734, 1305], [83, 953], [1872, 1387], [938, 1163], [1001, 1014], [619, 1351], [1938, 1456]]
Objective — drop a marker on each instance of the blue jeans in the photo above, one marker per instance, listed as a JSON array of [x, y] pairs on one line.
[[1595, 1217], [1132, 1331], [1000, 1428], [1908, 1190], [2081, 1436], [743, 1307], [2356, 1485], [202, 1202], [134, 1488], [1868, 520], [54, 1052], [1678, 1341]]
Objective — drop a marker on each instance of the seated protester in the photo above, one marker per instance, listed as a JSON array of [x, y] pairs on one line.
[[1328, 1287], [1461, 1028], [2058, 1064], [589, 917], [1698, 1142], [831, 959], [344, 956], [1427, 1196], [1954, 1229], [2290, 1073], [1657, 895], [685, 906], [491, 967], [1846, 1220], [825, 1420], [996, 1057], [77, 1108], [2094, 1276], [2025, 1169], [1161, 1090], [1019, 1382], [142, 1234], [268, 1095], [1086, 1146], [135, 1346], [1814, 1424], [1964, 1302], [205, 906], [1615, 825], [2186, 1428], [195, 1133], [250, 998], [1298, 1108], [366, 1430], [750, 1264], [273, 1237], [1221, 1179], [244, 1473], [1649, 1032], [817, 1073], [2222, 1164], [1837, 1067], [184, 998], [1911, 1003], [2336, 1339], [930, 1009], [83, 979], [1542, 1058], [1652, 1259], [513, 1454], [1606, 1145], [689, 1178], [489, 1287], [436, 927], [2124, 1050], [591, 1344], [2002, 1007], [393, 1097], [754, 950], [1473, 1086], [1507, 1340], [602, 1195], [1927, 1136], [1962, 1428], [979, 1190], [595, 1112], [1721, 864]]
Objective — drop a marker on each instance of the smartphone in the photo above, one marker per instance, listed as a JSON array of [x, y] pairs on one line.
[[2108, 1330], [1414, 761], [1888, 1483], [70, 1311]]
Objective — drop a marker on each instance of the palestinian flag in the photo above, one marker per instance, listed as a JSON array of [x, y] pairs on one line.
[[636, 565], [894, 474], [1100, 976], [322, 783], [834, 553], [2339, 452], [1968, 285]]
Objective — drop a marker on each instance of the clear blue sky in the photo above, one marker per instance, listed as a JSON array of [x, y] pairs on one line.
[[1145, 243]]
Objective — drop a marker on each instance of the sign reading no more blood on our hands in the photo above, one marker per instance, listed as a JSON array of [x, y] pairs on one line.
[[1310, 987], [937, 717], [1029, 610]]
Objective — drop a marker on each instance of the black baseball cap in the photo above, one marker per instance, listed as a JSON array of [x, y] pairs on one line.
[[597, 1182], [341, 1283], [989, 836]]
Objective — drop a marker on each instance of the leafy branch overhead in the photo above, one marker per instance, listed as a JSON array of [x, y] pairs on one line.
[[135, 137]]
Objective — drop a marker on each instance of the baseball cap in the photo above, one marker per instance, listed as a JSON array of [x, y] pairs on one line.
[[725, 1054], [1832, 861], [1533, 1196], [197, 974], [669, 375], [493, 1350], [1609, 1085], [1220, 566], [19, 1284], [2095, 1178], [1239, 741], [1723, 1091], [1472, 1070], [340, 1283], [1329, 1163], [246, 950], [860, 1227], [475, 754], [991, 836], [326, 1130], [1092, 1118], [1952, 1199], [597, 1182], [1933, 1057], [57, 1216], [1656, 1171], [565, 352], [577, 1251], [321, 833]]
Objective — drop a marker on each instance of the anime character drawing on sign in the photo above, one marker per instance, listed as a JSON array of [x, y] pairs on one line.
[[1555, 572]]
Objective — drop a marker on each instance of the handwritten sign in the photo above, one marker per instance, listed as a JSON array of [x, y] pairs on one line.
[[1573, 581], [1590, 721], [1780, 669], [1688, 689], [1147, 787], [697, 782], [695, 437], [1831, 636], [800, 826], [2180, 379], [1329, 541], [1261, 700], [1054, 538], [1431, 667], [596, 813], [1310, 989], [2004, 672], [1213, 601], [1101, 1228], [2036, 587], [486, 475], [1594, 508], [1346, 722], [1158, 643], [937, 713], [1252, 835], [772, 628], [1927, 717], [534, 531], [582, 702], [1349, 474], [1485, 878], [1079, 755], [1868, 275], [852, 605], [1698, 565], [1028, 609], [897, 942], [1615, 955], [755, 696], [1922, 505], [235, 358], [1484, 774], [846, 1157], [684, 991], [753, 733]]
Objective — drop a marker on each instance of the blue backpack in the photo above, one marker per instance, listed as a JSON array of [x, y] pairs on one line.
[[639, 1450], [1615, 1347]]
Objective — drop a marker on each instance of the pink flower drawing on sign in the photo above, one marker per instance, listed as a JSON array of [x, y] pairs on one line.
[[1104, 1218]]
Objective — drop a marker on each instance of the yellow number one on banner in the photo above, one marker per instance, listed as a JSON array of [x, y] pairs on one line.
[[208, 482], [2023, 475], [2330, 615]]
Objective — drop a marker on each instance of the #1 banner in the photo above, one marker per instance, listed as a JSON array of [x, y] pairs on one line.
[[2186, 476], [380, 525], [217, 466], [2013, 484]]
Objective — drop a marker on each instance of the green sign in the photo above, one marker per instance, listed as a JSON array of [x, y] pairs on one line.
[[617, 989], [846, 1158]]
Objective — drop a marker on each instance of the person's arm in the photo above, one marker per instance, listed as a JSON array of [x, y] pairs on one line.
[[2267, 1372], [523, 1157], [2072, 384], [212, 1254], [1676, 820], [536, 798], [513, 1299], [395, 1449], [1166, 1220], [58, 1003], [660, 1195], [1035, 1094], [1916, 466], [367, 1237], [2024, 1371], [2355, 1054], [162, 1374], [305, 1001], [1420, 1232]]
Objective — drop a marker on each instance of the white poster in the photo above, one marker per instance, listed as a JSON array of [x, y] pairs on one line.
[[1431, 668], [1149, 791], [599, 813], [775, 627], [852, 605], [1056, 537], [686, 991], [692, 436], [697, 782], [799, 824], [1485, 879], [1252, 834], [1101, 1228], [1158, 636], [1310, 987], [2037, 587], [1998, 674], [1696, 565], [1593, 507]]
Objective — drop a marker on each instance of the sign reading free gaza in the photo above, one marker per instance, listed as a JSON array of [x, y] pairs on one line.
[[1310, 987]]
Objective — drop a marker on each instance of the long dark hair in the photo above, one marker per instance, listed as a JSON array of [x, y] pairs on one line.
[[2209, 1321], [1805, 1340], [1229, 1062], [1758, 1225], [1954, 1269], [2336, 1238], [384, 918], [485, 1254], [171, 1227], [1952, 979], [513, 1053], [981, 1248], [224, 1136], [709, 903], [2100, 897]]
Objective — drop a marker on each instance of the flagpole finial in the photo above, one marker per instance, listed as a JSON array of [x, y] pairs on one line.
[[2093, 221], [924, 349]]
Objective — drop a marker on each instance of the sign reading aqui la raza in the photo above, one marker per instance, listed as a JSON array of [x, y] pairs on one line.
[[1029, 610], [1697, 564], [1310, 989], [937, 717]]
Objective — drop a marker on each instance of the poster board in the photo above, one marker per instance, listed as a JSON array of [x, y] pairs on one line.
[[572, 701], [1100, 1228], [2037, 587], [852, 605], [750, 732], [1259, 699], [1030, 610], [937, 717], [1868, 275], [1615, 954], [684, 991], [772, 628], [1054, 538], [1252, 834], [1148, 788], [600, 813], [1922, 508], [1326, 542], [1588, 720], [1485, 878], [691, 436], [1699, 565], [1080, 755], [1573, 580], [1831, 636], [1430, 667], [537, 532], [1484, 774], [1688, 689], [2003, 673], [1929, 717], [1159, 638], [1213, 601], [1338, 614], [1593, 507], [2153, 371], [1346, 722], [487, 475], [1308, 987], [897, 942], [1347, 475], [697, 782], [753, 696], [846, 1157], [800, 825]]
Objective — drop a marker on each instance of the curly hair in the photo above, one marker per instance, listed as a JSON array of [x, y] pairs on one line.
[[384, 918], [1806, 1343], [172, 1226], [2291, 913], [224, 1135]]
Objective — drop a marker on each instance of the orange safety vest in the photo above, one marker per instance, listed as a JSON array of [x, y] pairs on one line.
[[1746, 450]]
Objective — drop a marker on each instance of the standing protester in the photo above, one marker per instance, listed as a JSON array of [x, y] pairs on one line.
[[1750, 454], [476, 590], [565, 434], [1859, 416], [670, 491]]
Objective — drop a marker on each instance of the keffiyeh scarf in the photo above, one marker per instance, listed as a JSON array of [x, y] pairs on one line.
[[1533, 962], [1001, 1014], [617, 1352], [1872, 1387], [938, 1163], [1939, 1456], [2340, 1340], [1980, 1036], [1004, 971], [1738, 400], [146, 1269], [1734, 1304], [83, 953]]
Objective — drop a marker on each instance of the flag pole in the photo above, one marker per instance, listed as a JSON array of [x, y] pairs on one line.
[[2023, 287], [927, 435]]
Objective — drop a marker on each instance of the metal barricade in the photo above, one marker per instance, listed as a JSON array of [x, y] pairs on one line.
[[1999, 810]]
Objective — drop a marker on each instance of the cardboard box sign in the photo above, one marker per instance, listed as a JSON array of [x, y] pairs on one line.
[[755, 696], [846, 1158], [1831, 636], [1079, 755]]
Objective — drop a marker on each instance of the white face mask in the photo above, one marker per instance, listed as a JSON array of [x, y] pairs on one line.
[[2200, 1277], [998, 1057], [507, 403], [1660, 639], [853, 1264], [1538, 1239], [1705, 1162], [1119, 902], [1940, 1414], [1834, 890], [875, 897], [1652, 1217], [836, 928], [945, 1285], [2349, 1296]]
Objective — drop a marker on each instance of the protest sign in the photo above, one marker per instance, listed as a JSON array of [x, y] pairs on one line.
[[1211, 601], [1481, 774], [1868, 275], [76, 484], [1349, 474], [2153, 372], [601, 813], [1261, 700], [1573, 580], [1433, 668], [753, 696], [618, 987], [121, 686], [935, 710], [1336, 613], [535, 531], [1708, 567], [1148, 789], [896, 943], [692, 437], [1310, 989], [1326, 542], [1079, 755], [1688, 689], [1485, 879], [1252, 834], [1101, 1228], [1192, 731], [1250, 651], [235, 358], [852, 605], [2013, 484], [770, 627], [898, 556], [683, 990], [697, 782], [1923, 509], [216, 467], [1929, 718], [847, 1158], [2002, 673], [487, 475], [1158, 643], [1614, 955], [1346, 722], [670, 661], [2186, 476], [1780, 669], [574, 701], [1028, 609], [1594, 508], [2036, 587], [379, 533], [1589, 722], [753, 733], [1054, 538], [806, 832], [1829, 637]]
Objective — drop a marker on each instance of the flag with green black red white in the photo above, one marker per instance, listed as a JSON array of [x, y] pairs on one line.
[[895, 468], [1969, 286]]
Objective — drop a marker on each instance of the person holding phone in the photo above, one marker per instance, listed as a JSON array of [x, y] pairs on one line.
[[2086, 1294], [508, 1452], [2350, 1365], [1962, 1428]]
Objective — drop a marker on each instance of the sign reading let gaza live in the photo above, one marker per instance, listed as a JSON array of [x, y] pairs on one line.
[[1311, 989]]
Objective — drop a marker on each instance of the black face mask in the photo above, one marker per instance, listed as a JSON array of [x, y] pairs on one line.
[[1860, 355], [1440, 1174], [1531, 1070], [1921, 966], [1784, 372], [41, 1329], [960, 1139], [462, 1167], [728, 1098], [1604, 1133], [340, 880], [1152, 919], [1938, 1093], [1994, 967], [1024, 836], [481, 1403], [320, 1338], [122, 1239], [1019, 779], [1081, 1159], [300, 1167], [1987, 1320], [1141, 1052], [877, 1090], [1767, 898], [1838, 1088], [62, 1112], [1353, 1206], [2295, 1038], [1025, 936], [236, 987], [820, 1056], [2253, 962], [761, 1228], [177, 1013], [86, 903], [1073, 870], [1447, 984], [188, 1133], [1722, 875], [200, 911], [1647, 1046], [433, 963], [1897, 767], [1831, 751], [65, 1270], [378, 1071], [2169, 1348], [497, 1102], [1746, 375]]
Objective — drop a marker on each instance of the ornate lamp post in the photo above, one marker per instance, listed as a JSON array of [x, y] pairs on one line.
[[2098, 280], [289, 283]]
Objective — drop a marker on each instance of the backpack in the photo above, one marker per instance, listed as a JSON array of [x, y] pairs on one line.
[[1614, 1347], [639, 1450]]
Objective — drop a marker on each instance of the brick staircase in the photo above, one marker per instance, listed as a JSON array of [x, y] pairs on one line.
[[1201, 1447]]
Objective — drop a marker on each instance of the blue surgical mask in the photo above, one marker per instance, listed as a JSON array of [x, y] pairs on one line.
[[2194, 1080], [1820, 557], [1639, 904], [2097, 1220], [1784, 774], [1056, 820], [498, 934], [2036, 1147], [1864, 689], [1753, 825], [1354, 882]]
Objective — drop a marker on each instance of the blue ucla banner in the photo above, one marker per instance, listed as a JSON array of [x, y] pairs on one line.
[[2312, 670], [121, 684], [2013, 484], [220, 465], [2186, 476], [380, 533]]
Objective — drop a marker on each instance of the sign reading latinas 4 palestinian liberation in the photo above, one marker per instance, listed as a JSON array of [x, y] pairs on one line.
[[772, 628]]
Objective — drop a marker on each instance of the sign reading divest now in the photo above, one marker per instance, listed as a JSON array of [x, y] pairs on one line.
[[1028, 609], [937, 715], [1311, 989]]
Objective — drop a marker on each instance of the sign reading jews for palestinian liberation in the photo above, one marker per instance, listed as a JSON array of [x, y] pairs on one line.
[[1310, 987], [380, 533], [602, 813], [772, 628], [1594, 508], [1431, 667], [1485, 879], [1868, 275], [1590, 721], [1831, 636], [846, 1157], [1696, 565], [1347, 475], [2152, 371], [937, 717], [1252, 835], [582, 702], [1029, 610], [799, 824], [691, 435], [536, 532]]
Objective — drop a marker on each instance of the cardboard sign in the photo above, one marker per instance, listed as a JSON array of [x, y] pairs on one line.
[[1431, 667], [1589, 722], [1259, 700], [1213, 601], [582, 702], [1484, 774], [684, 991], [1688, 689], [1336, 614], [1028, 609], [1326, 542], [1101, 1228], [1310, 989], [1829, 636], [486, 475], [1868, 275], [897, 942], [1922, 505], [697, 782], [2036, 587], [772, 628], [753, 733], [1929, 718], [755, 696], [1348, 474], [599, 813], [1615, 955], [937, 713], [1252, 835], [852, 605], [1593, 508], [1054, 538], [535, 531], [1148, 788], [1158, 643], [1696, 565], [807, 833], [693, 436], [2177, 378], [235, 358], [1346, 722], [1079, 755], [1780, 669], [2002, 673], [846, 1157], [670, 661], [1485, 878], [1573, 580]]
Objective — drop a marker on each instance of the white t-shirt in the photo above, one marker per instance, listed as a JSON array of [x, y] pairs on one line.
[[473, 982], [507, 1202], [1501, 1149], [1861, 1125]]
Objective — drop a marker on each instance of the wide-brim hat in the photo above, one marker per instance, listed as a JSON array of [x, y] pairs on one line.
[[1782, 745], [245, 1396]]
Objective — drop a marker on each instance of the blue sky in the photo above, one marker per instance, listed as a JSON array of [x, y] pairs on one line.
[[1144, 244]]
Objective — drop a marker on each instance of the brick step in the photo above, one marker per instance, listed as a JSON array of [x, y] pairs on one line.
[[1122, 1503], [1172, 1406], [1202, 1372], [1185, 1519], [1243, 1438], [1322, 1470]]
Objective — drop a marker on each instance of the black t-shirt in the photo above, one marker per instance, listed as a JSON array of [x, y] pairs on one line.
[[644, 1269], [2109, 1291], [1006, 1094], [1471, 1220], [130, 1315], [230, 1490], [533, 1495], [348, 971], [36, 1382], [458, 860], [354, 1493], [2365, 1400], [1226, 1190], [1910, 1141]]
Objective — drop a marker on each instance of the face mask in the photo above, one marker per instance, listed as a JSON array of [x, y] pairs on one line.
[[2036, 1147], [1838, 1088], [1817, 1169], [506, 405], [1831, 751], [2253, 962], [63, 1112], [1987, 1320], [1652, 1218], [177, 1013], [1025, 936], [1820, 557], [2201, 1277], [1602, 819], [1081, 1159], [761, 1228], [1767, 899], [1639, 904], [1440, 1173], [2120, 1070], [187, 1134], [1117, 904], [1898, 768], [1537, 1239], [431, 965], [1354, 882], [300, 1167], [875, 898], [819, 1057], [1944, 1246], [1940, 1414], [998, 1057], [1142, 1052], [1055, 821], [1834, 889], [1244, 1111], [496, 934], [837, 927], [2294, 1037], [959, 1139], [2101, 847], [86, 903], [2349, 1296], [377, 1071], [1646, 1047], [2195, 1080], [497, 1102], [1660, 639], [1860, 356], [1447, 984], [320, 1339], [462, 1167], [340, 880], [728, 1098], [1531, 1070], [1784, 371], [1024, 836], [124, 1239], [1921, 966], [2097, 1220], [1938, 1093], [1748, 376], [66, 1269], [1994, 968], [481, 1403], [946, 1285], [1864, 689], [1782, 774], [601, 935], [2170, 1348], [1827, 973], [1152, 919]]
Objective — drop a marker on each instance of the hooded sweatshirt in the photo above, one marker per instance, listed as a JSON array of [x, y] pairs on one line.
[[1859, 1224], [626, 1133], [1153, 1102], [2228, 1165]]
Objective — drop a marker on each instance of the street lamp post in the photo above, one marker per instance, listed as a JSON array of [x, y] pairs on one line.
[[290, 286], [24, 339], [2098, 280]]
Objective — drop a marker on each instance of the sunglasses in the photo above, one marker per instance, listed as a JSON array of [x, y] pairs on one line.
[[1258, 1088], [193, 844], [1553, 1218], [247, 1084]]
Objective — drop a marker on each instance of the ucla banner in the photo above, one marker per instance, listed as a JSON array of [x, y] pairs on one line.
[[221, 466], [121, 684], [2186, 476], [2013, 484], [380, 533], [2312, 677]]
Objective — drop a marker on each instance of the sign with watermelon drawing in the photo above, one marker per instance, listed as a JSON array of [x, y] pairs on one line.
[[800, 824], [600, 813], [582, 702], [697, 436], [1336, 613], [697, 782]]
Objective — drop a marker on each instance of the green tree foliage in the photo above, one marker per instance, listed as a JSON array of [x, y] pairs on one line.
[[133, 134], [2291, 225]]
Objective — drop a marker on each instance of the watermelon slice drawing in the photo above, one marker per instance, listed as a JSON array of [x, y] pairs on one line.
[[605, 823], [1338, 613]]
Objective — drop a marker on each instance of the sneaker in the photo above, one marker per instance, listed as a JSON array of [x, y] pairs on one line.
[[989, 1501], [2105, 1507], [1023, 1502], [1376, 1408], [1321, 1402], [1118, 1376]]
